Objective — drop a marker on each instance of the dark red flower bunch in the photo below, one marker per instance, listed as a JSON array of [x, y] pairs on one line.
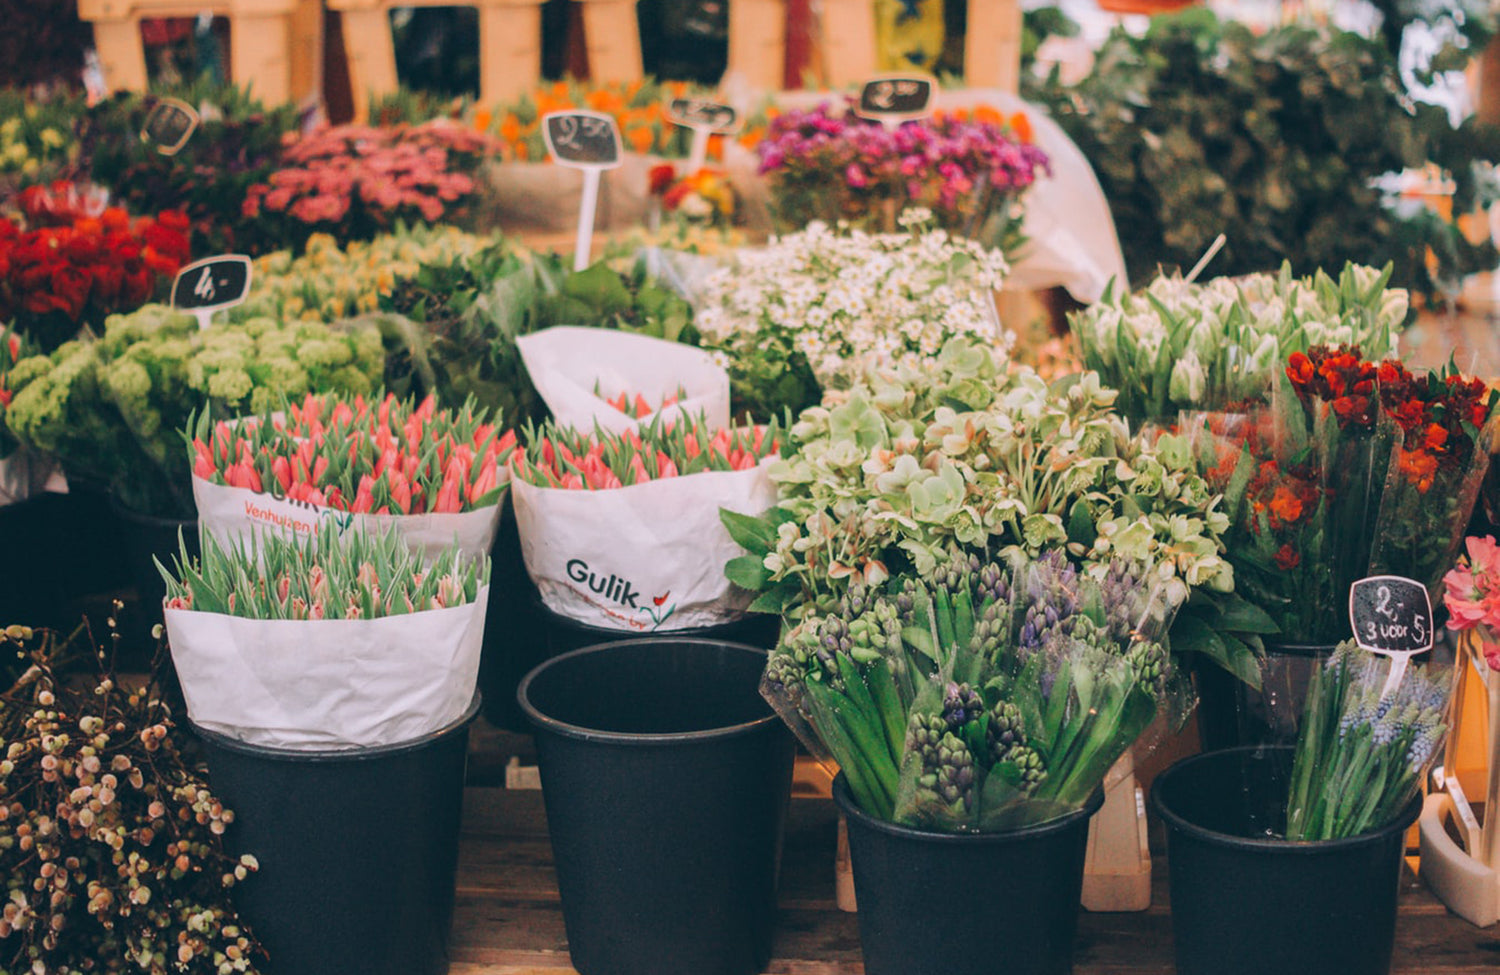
[[1339, 376], [61, 203], [54, 280]]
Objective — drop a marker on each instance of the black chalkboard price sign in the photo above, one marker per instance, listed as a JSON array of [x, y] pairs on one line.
[[169, 125], [701, 113], [897, 98], [1391, 615], [204, 287], [582, 140]]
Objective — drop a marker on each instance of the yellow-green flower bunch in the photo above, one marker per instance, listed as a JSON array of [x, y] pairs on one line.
[[36, 138], [328, 282], [113, 408]]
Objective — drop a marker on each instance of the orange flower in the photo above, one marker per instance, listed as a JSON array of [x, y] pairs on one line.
[[1418, 465], [640, 139], [510, 128], [989, 114], [1021, 126], [482, 119], [1286, 505]]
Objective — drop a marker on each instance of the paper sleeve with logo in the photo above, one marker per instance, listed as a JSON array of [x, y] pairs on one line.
[[645, 558]]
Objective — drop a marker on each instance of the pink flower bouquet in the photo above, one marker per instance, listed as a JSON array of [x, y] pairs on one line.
[[437, 472], [1472, 595], [622, 530], [354, 181]]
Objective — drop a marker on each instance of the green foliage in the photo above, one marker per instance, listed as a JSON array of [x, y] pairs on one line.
[[1201, 127]]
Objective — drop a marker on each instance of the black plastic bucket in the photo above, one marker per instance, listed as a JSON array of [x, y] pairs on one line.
[[1247, 903], [666, 778], [514, 641], [967, 903], [358, 849]]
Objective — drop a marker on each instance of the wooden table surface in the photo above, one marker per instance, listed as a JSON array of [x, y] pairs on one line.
[[509, 922]]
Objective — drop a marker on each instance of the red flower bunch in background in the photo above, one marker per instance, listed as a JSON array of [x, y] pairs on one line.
[[61, 203], [392, 458], [11, 350], [355, 181], [55, 280]]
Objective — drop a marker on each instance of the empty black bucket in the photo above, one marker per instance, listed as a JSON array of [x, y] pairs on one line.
[[967, 903], [666, 778], [1245, 902], [358, 849]]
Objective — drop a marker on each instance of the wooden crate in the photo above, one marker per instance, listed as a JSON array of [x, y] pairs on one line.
[[510, 46], [275, 46]]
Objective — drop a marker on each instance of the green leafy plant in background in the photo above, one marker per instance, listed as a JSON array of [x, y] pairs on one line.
[[1202, 127], [237, 145]]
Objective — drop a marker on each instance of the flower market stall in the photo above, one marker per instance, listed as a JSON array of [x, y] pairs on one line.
[[634, 526]]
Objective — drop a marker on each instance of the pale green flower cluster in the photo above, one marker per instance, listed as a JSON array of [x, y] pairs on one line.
[[328, 282], [915, 460], [849, 301], [1176, 346], [112, 408]]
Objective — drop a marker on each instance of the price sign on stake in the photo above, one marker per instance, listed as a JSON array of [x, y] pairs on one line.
[[896, 98], [588, 141], [1391, 616], [206, 286], [169, 125], [705, 118]]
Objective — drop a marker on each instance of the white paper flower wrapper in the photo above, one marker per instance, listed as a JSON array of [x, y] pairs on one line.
[[566, 362], [604, 558], [317, 684], [232, 513]]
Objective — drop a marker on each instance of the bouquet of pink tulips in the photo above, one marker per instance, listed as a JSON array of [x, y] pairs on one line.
[[440, 473], [560, 457], [622, 530], [638, 407]]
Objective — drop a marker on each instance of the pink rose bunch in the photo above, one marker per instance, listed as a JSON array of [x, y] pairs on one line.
[[1472, 594], [560, 457], [392, 458], [355, 181]]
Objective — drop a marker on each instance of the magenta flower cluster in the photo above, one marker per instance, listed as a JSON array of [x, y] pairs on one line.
[[936, 163], [354, 180]]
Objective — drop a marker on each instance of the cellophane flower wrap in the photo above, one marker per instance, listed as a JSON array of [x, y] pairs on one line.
[[622, 530], [980, 696], [340, 638], [578, 371], [967, 169], [1363, 751], [113, 408], [438, 475], [55, 280], [1175, 345], [827, 304], [22, 472], [1352, 468]]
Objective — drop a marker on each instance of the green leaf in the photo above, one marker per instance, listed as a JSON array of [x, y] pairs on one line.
[[1190, 633], [747, 572], [753, 533]]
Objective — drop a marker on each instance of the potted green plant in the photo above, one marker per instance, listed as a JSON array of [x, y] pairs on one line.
[[1275, 139], [1288, 859], [973, 710], [331, 679]]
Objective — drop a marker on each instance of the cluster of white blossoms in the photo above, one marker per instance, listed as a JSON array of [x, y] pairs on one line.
[[849, 301]]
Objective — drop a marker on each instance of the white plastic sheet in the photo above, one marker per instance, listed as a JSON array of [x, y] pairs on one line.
[[567, 362]]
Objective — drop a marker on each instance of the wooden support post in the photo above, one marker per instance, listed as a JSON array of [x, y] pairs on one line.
[[260, 56], [992, 45], [848, 41], [757, 42], [121, 53], [612, 35], [510, 49]]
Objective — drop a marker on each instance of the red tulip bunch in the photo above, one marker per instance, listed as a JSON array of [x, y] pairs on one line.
[[54, 280], [560, 457], [637, 407], [385, 458]]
